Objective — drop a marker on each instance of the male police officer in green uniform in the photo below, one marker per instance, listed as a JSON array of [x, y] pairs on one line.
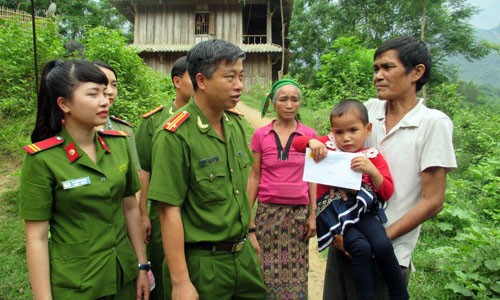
[[144, 135], [201, 163]]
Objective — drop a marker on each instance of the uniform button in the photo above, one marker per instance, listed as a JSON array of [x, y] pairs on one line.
[[211, 176], [113, 249], [237, 192], [231, 170], [103, 178]]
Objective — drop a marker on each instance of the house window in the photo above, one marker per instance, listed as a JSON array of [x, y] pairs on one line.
[[204, 23]]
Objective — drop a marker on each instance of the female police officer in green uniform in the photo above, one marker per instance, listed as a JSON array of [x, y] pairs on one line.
[[81, 185]]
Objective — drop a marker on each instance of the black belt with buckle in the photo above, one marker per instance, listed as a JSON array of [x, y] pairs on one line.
[[231, 247]]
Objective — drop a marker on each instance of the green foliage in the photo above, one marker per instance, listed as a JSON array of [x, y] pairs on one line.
[[473, 264], [310, 37], [17, 70], [346, 70], [14, 282], [140, 89], [316, 24], [75, 17]]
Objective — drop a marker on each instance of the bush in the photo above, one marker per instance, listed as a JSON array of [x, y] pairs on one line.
[[17, 70], [140, 89]]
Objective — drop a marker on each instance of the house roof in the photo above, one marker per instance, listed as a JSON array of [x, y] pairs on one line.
[[128, 7], [248, 48]]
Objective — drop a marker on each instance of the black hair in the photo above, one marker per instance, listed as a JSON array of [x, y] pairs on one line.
[[412, 52], [60, 79], [344, 106], [206, 56], [179, 68], [102, 64]]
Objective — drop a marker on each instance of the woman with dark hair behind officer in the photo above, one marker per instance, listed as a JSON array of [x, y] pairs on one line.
[[83, 233]]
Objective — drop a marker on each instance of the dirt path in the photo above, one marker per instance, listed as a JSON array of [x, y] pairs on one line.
[[317, 263]]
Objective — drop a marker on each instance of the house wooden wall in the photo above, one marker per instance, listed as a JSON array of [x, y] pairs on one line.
[[257, 69], [174, 25]]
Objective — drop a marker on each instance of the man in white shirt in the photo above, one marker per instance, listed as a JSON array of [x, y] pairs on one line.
[[417, 143]]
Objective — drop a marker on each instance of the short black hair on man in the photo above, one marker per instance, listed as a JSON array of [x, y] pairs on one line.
[[412, 52], [179, 68], [206, 56], [345, 106]]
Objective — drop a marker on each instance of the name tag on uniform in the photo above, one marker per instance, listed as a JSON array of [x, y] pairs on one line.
[[73, 183], [209, 160]]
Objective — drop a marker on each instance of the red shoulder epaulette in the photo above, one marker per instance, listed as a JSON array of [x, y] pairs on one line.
[[176, 121], [44, 145], [113, 132], [154, 111], [114, 118], [234, 112]]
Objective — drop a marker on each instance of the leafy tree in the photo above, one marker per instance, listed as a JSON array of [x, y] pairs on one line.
[[17, 70], [139, 88], [310, 37], [346, 70], [75, 16], [446, 29]]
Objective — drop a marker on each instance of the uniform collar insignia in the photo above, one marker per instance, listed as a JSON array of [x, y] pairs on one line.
[[171, 110], [72, 152], [201, 125], [103, 144]]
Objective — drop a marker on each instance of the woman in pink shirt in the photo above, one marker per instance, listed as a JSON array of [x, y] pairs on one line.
[[285, 218]]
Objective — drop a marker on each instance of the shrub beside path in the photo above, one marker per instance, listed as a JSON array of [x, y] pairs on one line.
[[317, 262]]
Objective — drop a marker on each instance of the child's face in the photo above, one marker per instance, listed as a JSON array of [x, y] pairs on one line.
[[349, 132]]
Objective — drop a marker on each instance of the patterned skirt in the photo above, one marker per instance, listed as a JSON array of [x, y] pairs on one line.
[[285, 254]]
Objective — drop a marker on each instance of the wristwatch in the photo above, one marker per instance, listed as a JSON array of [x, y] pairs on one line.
[[145, 267]]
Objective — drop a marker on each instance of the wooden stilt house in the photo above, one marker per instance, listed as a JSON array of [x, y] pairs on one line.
[[164, 30]]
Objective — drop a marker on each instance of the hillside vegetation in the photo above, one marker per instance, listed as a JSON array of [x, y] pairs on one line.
[[484, 71]]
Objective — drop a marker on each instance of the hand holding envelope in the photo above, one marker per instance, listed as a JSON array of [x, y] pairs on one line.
[[333, 170]]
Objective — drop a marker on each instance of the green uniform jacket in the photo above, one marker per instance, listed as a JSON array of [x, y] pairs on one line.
[[144, 133], [111, 124], [195, 169], [83, 202]]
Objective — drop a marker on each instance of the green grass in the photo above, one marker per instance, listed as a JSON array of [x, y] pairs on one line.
[[14, 283]]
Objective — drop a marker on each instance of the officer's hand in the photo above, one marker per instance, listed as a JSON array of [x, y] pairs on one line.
[[184, 291], [146, 227], [142, 286], [338, 242], [253, 240]]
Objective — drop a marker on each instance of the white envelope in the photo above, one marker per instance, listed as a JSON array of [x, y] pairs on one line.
[[334, 170]]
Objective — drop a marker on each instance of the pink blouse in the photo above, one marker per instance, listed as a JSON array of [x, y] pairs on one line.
[[281, 169]]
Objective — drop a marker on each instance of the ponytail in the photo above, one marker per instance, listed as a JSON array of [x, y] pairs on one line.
[[49, 116]]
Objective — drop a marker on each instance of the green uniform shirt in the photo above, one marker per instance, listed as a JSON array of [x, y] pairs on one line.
[[82, 201], [195, 169], [114, 125], [145, 131]]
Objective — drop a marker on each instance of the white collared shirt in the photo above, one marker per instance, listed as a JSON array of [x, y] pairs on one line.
[[422, 139]]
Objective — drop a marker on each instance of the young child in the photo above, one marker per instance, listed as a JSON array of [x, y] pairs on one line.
[[359, 218]]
